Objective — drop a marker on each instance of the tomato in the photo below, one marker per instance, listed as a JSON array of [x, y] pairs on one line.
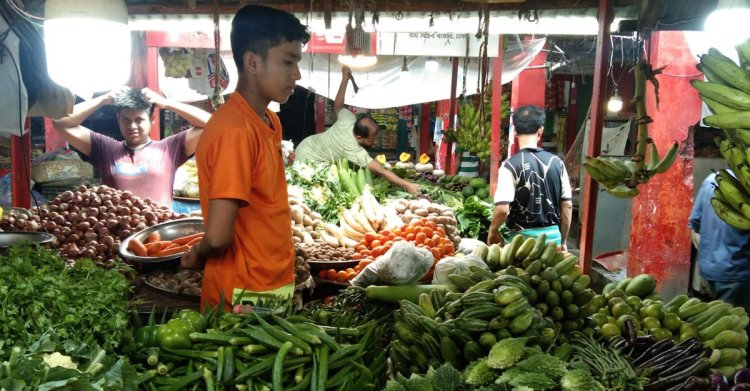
[[426, 231], [420, 238], [418, 223], [362, 242], [322, 274], [362, 263], [342, 276], [410, 237], [440, 230], [375, 243], [436, 253], [331, 274], [385, 232], [386, 248], [429, 243], [409, 230], [356, 256], [390, 237], [366, 253], [398, 238], [431, 225], [449, 249]]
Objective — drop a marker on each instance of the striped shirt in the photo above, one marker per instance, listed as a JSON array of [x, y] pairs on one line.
[[469, 165]]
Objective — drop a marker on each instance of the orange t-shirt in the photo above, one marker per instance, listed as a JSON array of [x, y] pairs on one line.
[[239, 157]]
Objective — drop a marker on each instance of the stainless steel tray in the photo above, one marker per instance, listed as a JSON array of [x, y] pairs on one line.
[[168, 230], [8, 239]]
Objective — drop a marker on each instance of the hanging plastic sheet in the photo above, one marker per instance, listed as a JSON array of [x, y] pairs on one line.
[[385, 85]]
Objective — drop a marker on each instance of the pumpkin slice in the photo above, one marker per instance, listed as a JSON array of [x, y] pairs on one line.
[[424, 159], [381, 159], [404, 157]]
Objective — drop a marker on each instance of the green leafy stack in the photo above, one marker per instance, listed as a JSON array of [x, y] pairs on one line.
[[82, 303], [727, 93]]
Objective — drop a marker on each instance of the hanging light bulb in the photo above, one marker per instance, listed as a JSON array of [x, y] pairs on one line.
[[405, 75], [431, 65], [87, 44], [360, 61], [729, 21], [615, 103]]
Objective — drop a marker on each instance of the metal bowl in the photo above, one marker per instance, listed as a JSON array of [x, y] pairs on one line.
[[169, 230], [8, 239]]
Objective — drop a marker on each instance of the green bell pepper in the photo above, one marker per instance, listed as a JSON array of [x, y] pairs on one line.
[[175, 334], [194, 318]]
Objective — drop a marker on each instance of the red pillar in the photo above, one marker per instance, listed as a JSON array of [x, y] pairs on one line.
[[659, 236], [152, 63], [528, 87], [443, 113], [425, 123], [20, 180], [497, 94], [450, 165], [598, 96]]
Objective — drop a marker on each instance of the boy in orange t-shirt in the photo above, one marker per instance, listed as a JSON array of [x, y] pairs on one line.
[[247, 247]]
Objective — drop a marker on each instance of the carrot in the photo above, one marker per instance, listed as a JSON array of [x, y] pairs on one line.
[[153, 237], [137, 248], [170, 246], [187, 239], [172, 251], [155, 247], [194, 242]]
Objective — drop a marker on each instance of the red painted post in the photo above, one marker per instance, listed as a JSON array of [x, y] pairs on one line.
[[590, 187], [52, 139], [497, 94], [450, 166], [663, 207], [424, 128], [152, 64], [20, 155], [442, 114], [528, 87], [572, 130]]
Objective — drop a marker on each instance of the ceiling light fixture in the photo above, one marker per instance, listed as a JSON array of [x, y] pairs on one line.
[[87, 44], [615, 103], [358, 61], [431, 65], [729, 21]]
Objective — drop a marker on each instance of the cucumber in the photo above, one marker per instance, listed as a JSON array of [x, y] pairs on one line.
[[484, 311], [515, 244], [552, 299], [728, 339], [449, 351], [507, 294], [472, 351], [580, 284], [623, 284], [566, 264], [674, 304], [550, 274], [725, 323], [525, 249], [692, 308], [641, 285], [516, 308], [522, 322]]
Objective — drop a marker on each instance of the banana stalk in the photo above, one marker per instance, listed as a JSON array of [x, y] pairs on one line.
[[643, 120]]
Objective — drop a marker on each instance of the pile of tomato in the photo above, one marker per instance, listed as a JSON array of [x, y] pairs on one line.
[[423, 233]]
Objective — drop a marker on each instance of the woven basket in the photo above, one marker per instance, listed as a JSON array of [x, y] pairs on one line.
[[61, 170]]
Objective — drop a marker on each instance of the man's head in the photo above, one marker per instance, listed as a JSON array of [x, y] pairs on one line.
[[366, 131], [528, 119], [133, 116], [266, 46]]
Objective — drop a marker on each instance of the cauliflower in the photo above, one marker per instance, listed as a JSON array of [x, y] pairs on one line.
[[318, 193], [58, 360]]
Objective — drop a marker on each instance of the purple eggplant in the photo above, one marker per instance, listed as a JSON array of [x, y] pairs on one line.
[[719, 382], [742, 376], [740, 387]]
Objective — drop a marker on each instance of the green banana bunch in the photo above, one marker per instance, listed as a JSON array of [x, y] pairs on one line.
[[727, 94], [617, 176], [470, 134]]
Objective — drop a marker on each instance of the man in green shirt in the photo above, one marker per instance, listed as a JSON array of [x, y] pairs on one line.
[[347, 139]]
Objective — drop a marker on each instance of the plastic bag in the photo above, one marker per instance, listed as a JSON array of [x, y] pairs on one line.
[[454, 265], [402, 264], [467, 246]]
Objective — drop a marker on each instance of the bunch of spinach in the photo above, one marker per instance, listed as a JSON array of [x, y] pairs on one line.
[[474, 217], [41, 294], [50, 365]]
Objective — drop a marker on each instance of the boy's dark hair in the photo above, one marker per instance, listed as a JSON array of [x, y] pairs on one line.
[[528, 119], [359, 127], [132, 98], [256, 29]]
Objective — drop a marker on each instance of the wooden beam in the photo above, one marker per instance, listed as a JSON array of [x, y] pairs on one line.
[[230, 7], [591, 188]]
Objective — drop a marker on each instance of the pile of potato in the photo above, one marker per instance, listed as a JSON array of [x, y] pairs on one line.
[[91, 222], [441, 215], [305, 222], [324, 252]]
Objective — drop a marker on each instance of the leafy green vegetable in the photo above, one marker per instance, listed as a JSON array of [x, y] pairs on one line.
[[43, 366], [41, 294]]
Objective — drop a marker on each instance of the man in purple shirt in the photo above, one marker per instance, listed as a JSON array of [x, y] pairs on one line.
[[138, 164]]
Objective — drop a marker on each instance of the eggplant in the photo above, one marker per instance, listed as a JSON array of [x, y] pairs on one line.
[[698, 368], [695, 383], [632, 333], [740, 387], [719, 382], [742, 376], [653, 350]]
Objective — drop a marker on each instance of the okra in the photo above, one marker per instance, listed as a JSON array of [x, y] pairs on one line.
[[297, 332], [304, 384], [236, 341], [190, 353], [153, 356], [278, 364], [220, 364], [283, 335], [320, 333], [181, 383], [208, 378], [214, 337], [254, 349], [322, 370], [228, 365]]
